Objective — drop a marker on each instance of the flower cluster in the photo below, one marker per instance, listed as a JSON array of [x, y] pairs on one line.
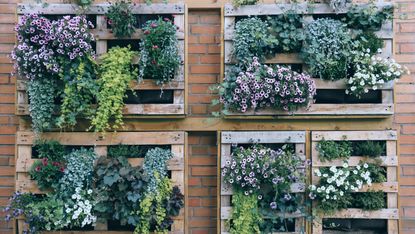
[[73, 37], [263, 86], [372, 72], [79, 208], [34, 58], [121, 19], [46, 172]]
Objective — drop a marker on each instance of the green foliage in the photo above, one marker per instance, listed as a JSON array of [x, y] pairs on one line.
[[370, 200], [245, 216], [339, 5], [49, 149], [80, 91], [238, 3], [330, 150], [286, 29], [130, 151], [49, 211], [42, 94], [369, 148], [377, 173], [159, 57], [327, 48], [369, 41], [368, 18], [156, 161], [116, 74], [121, 19], [84, 3], [118, 189], [251, 40]]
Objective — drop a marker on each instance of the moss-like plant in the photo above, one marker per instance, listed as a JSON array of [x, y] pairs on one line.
[[369, 148], [330, 150], [370, 200], [130, 151], [121, 19], [116, 74], [245, 216]]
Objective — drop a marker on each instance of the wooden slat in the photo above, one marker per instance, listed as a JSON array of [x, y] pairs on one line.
[[87, 138], [387, 187], [362, 214], [354, 135], [99, 9], [263, 137], [106, 34], [295, 188], [151, 85], [153, 109]]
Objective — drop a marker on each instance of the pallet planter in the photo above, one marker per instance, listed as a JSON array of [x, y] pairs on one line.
[[227, 139], [176, 140], [383, 106], [390, 161], [175, 90]]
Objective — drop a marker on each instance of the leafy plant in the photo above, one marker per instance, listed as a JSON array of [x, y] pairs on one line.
[[369, 17], [369, 41], [118, 189], [156, 161], [49, 149], [121, 19], [84, 3], [251, 40], [159, 57], [327, 48], [46, 172], [261, 86], [245, 216], [287, 31], [238, 3], [369, 148], [330, 150], [370, 200], [339, 5], [116, 74], [130, 151]]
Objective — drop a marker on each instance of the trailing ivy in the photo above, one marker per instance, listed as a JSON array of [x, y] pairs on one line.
[[245, 216], [121, 19], [116, 74], [159, 56]]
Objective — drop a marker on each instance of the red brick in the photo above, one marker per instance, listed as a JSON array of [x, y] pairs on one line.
[[405, 108], [408, 129], [205, 171], [209, 181], [193, 140], [200, 89], [5, 68], [7, 38], [194, 181], [405, 139], [6, 150], [210, 19], [209, 201], [202, 161], [198, 191], [193, 39], [207, 39], [199, 150], [6, 191], [198, 109], [200, 69], [9, 89], [7, 109], [194, 202], [407, 149], [6, 171], [200, 99], [7, 99], [197, 49], [194, 59], [407, 27], [407, 48], [7, 139], [408, 170], [214, 49], [405, 98], [193, 19], [6, 48], [205, 29], [204, 212], [200, 231], [7, 181], [409, 212], [210, 59], [203, 79], [7, 9], [201, 222]]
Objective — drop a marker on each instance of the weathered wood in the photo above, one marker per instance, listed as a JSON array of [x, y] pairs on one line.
[[99, 9], [363, 214], [354, 135], [106, 34], [355, 160], [151, 85], [153, 109], [295, 188], [263, 137], [226, 214], [341, 84]]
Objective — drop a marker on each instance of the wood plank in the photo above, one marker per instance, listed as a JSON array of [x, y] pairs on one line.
[[153, 109], [93, 139], [263, 137], [151, 85], [362, 214], [295, 188], [106, 34], [226, 213], [354, 135], [99, 9], [387, 187], [355, 160]]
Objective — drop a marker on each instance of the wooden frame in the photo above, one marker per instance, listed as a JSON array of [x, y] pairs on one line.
[[390, 161], [24, 142], [227, 138], [383, 109], [103, 35]]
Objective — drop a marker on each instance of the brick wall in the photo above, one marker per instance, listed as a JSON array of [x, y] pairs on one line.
[[8, 122]]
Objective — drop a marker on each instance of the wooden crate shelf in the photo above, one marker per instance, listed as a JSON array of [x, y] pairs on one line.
[[390, 161], [383, 109], [103, 36], [176, 140], [229, 138]]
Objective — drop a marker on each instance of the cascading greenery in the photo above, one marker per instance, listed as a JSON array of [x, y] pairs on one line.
[[121, 19], [115, 75]]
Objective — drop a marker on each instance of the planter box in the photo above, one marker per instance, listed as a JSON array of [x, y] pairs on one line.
[[331, 99], [390, 161], [176, 166], [174, 106], [227, 139]]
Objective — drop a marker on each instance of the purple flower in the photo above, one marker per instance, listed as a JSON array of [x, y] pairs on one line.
[[273, 205]]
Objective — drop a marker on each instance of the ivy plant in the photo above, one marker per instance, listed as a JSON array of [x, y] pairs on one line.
[[287, 31], [115, 75], [159, 56], [327, 48], [368, 18], [121, 19]]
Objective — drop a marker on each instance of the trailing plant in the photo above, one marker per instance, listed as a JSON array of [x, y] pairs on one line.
[[118, 188], [262, 86], [17, 206], [251, 40], [159, 56], [327, 48], [369, 148], [371, 72], [371, 200], [238, 3], [286, 29], [121, 19], [369, 42], [245, 216], [330, 150], [116, 74], [156, 161], [369, 17]]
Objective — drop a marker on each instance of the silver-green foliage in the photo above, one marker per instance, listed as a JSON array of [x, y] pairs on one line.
[[156, 161]]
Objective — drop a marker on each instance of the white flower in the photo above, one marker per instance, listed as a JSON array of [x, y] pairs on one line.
[[325, 175], [89, 191], [333, 169], [355, 172], [341, 193], [345, 165], [353, 88], [365, 165]]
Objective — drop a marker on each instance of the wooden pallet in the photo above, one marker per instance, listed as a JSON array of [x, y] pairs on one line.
[[24, 161], [247, 137], [385, 108], [103, 35], [390, 161]]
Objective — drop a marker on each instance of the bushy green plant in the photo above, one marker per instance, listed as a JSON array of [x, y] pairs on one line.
[[369, 148], [327, 48], [116, 74], [370, 200], [251, 39], [330, 150], [118, 188], [49, 149], [238, 3], [130, 151], [286, 29], [368, 17], [369, 41], [159, 56], [84, 3], [377, 173], [121, 19], [245, 216]]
